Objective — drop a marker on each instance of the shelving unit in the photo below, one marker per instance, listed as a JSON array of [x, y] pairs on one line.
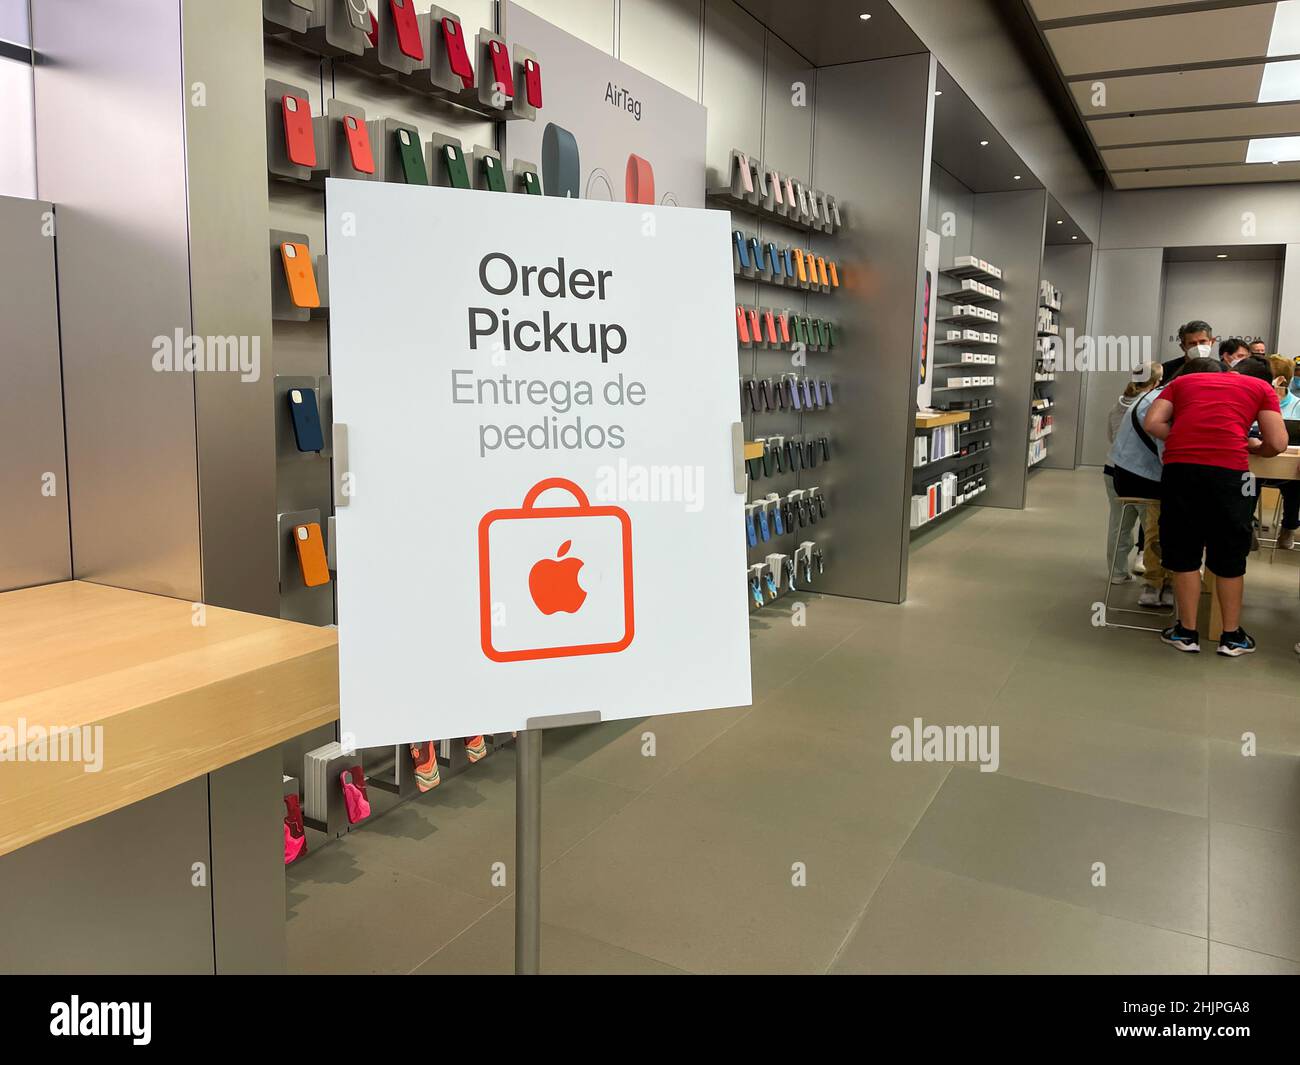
[[1040, 408], [789, 553]]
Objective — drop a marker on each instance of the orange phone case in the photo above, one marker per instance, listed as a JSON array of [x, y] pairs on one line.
[[800, 267], [311, 554], [821, 272], [835, 276], [298, 273]]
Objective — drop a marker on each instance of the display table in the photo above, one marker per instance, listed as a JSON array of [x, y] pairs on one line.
[[175, 698], [1283, 467]]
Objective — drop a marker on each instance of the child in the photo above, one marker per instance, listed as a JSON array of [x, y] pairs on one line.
[[1129, 457]]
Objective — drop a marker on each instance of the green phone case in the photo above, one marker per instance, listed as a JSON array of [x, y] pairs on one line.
[[494, 175], [412, 158], [454, 160], [818, 336], [532, 183], [803, 332], [830, 334]]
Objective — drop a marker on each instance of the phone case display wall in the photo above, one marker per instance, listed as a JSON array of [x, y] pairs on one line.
[[374, 92], [786, 382], [1048, 329]]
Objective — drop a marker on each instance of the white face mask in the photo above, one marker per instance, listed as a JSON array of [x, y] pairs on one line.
[[1201, 351]]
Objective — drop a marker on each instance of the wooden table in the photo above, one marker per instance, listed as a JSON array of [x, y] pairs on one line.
[[1283, 467], [174, 699]]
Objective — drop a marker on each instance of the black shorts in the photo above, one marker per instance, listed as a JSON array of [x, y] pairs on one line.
[[1206, 510]]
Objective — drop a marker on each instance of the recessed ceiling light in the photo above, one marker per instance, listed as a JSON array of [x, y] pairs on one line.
[[984, 144], [1281, 81], [1273, 149], [864, 16], [1075, 237], [1285, 38], [1060, 221], [938, 92], [1016, 176], [1221, 256]]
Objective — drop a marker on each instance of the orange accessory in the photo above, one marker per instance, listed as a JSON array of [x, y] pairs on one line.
[[311, 554], [299, 275]]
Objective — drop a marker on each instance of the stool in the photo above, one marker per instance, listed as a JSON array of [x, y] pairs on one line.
[[1276, 526], [1138, 504]]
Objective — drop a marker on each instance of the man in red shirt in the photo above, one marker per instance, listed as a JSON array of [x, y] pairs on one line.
[[1207, 490]]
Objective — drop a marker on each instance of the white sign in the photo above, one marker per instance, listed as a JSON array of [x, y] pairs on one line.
[[543, 521]]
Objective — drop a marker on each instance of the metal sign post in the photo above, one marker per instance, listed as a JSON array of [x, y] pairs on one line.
[[528, 852]]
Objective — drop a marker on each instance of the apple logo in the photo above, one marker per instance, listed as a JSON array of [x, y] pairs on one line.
[[553, 583]]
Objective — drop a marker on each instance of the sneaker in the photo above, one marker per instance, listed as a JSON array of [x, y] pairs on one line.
[[1139, 567], [475, 748], [1183, 639], [1150, 596], [1121, 578], [1236, 644], [1286, 539], [1166, 596]]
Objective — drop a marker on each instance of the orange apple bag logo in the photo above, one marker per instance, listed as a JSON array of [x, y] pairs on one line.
[[532, 604], [554, 585]]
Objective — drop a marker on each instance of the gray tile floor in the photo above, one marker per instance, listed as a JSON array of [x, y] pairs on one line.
[[1113, 749]]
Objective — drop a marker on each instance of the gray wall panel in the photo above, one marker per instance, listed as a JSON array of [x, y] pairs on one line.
[[230, 287], [590, 20], [34, 538], [1189, 217], [1127, 303], [114, 895], [123, 280], [862, 106], [789, 100], [248, 865], [662, 38], [1069, 268], [1237, 297], [734, 49], [1008, 232], [1288, 331]]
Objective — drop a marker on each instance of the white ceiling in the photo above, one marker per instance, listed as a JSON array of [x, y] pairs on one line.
[[1169, 90]]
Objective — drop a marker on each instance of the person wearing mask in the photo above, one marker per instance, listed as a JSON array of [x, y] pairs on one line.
[[1232, 351], [1258, 347], [1133, 469], [1207, 507], [1284, 381], [1196, 338]]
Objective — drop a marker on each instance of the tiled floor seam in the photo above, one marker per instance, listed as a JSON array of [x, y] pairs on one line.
[[857, 921]]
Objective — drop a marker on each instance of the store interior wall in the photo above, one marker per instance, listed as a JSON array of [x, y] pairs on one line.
[[1136, 228], [35, 544], [1238, 297], [1069, 268], [1127, 304]]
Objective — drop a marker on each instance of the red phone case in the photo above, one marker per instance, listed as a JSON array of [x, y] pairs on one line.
[[533, 82], [373, 35], [769, 320], [408, 29], [742, 325], [755, 326], [359, 144], [501, 72], [784, 322], [457, 56], [299, 141]]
